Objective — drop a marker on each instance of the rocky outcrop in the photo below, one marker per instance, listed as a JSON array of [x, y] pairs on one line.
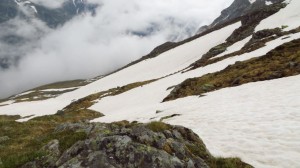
[[249, 22], [125, 144], [237, 9]]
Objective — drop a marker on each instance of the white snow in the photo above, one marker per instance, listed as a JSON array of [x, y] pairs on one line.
[[74, 3], [24, 93], [165, 64], [58, 90], [252, 1], [27, 2], [34, 9], [235, 47], [259, 122], [289, 16], [269, 3]]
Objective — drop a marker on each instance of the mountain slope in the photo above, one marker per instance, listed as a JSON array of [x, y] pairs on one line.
[[254, 117], [237, 9]]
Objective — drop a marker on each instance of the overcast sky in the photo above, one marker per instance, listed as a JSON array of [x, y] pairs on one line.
[[89, 46]]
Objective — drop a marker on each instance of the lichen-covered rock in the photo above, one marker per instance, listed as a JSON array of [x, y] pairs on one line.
[[129, 145]]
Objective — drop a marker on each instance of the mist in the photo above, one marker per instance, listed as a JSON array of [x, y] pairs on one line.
[[88, 46]]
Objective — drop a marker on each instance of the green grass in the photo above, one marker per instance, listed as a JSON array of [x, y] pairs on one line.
[[170, 116], [26, 139], [284, 26], [199, 149], [64, 84], [228, 163], [158, 126]]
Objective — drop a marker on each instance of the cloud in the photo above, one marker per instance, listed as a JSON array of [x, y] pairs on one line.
[[87, 46]]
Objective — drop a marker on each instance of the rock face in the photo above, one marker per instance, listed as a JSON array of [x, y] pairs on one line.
[[237, 9], [51, 16], [126, 144]]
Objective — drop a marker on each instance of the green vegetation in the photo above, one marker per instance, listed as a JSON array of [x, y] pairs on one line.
[[158, 126], [284, 26], [26, 139], [170, 116], [199, 149], [61, 85], [41, 93], [282, 61], [228, 163]]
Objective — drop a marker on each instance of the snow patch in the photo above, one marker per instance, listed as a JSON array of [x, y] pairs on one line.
[[34, 9], [269, 3], [252, 1], [58, 90], [288, 16]]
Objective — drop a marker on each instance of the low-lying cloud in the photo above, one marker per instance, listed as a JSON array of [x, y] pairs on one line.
[[88, 46]]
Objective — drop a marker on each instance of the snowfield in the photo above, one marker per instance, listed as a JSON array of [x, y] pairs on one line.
[[288, 16], [258, 122], [165, 64]]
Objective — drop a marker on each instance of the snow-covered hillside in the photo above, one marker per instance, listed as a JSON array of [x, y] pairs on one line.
[[258, 122]]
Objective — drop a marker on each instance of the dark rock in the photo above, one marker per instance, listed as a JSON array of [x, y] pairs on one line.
[[237, 9], [125, 144]]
